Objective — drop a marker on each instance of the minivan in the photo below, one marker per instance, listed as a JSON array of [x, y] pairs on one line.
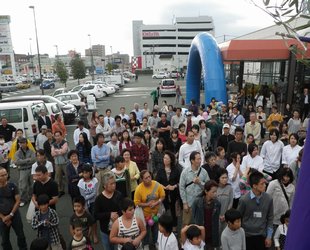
[[24, 115], [7, 87], [167, 87]]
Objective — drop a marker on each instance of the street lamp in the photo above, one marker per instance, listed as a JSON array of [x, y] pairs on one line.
[[39, 61], [31, 59], [91, 59]]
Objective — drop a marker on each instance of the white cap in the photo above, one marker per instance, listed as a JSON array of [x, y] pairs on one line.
[[226, 125]]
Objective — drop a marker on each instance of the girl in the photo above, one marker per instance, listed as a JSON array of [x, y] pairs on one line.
[[128, 227], [195, 129], [280, 234], [84, 148], [144, 126], [290, 151], [294, 124], [182, 132], [175, 142], [166, 239], [158, 155], [224, 196], [122, 177], [125, 141], [133, 121]]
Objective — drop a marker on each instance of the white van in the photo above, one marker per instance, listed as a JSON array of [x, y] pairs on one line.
[[23, 115], [7, 87], [115, 79]]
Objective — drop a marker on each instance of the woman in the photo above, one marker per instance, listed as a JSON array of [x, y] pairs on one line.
[[84, 148], [195, 129], [290, 151], [149, 195], [144, 126], [133, 170], [249, 140], [83, 114], [225, 196], [133, 121], [168, 175], [164, 108], [170, 113], [114, 147], [94, 121], [74, 173], [205, 135], [122, 176], [261, 118], [206, 212], [283, 128], [125, 141], [178, 94], [252, 159], [220, 157], [182, 132], [294, 124], [295, 166], [248, 111], [287, 114], [158, 155], [211, 167], [128, 227], [234, 175], [107, 208], [174, 142], [282, 192]]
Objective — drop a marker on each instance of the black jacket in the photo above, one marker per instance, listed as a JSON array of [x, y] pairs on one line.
[[47, 122]]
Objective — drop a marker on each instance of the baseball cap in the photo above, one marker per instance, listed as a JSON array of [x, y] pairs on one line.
[[226, 125]]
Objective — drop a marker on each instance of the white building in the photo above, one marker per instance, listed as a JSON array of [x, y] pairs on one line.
[[166, 47]]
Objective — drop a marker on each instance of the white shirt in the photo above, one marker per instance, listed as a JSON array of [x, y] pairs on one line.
[[106, 130], [185, 151], [257, 162], [124, 117], [234, 184], [282, 229], [271, 153], [167, 243], [289, 154], [48, 165], [189, 246], [77, 133]]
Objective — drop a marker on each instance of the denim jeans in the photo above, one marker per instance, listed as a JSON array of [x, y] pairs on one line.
[[151, 235], [17, 225], [106, 242]]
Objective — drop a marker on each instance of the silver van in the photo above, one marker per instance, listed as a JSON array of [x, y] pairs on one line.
[[7, 87]]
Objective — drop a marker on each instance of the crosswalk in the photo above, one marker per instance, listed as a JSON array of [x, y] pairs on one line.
[[18, 92]]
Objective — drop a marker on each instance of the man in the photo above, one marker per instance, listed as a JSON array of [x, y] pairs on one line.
[[177, 119], [237, 119], [123, 114], [58, 125], [138, 111], [41, 138], [256, 208], [253, 127], [7, 130], [164, 128], [118, 127], [225, 138], [44, 120], [24, 158], [237, 145], [192, 180], [274, 119], [41, 161], [104, 129], [304, 104], [100, 155], [59, 152], [215, 126], [108, 119], [80, 129], [9, 213], [223, 114], [187, 148], [44, 184], [139, 152], [189, 122], [153, 119], [146, 110]]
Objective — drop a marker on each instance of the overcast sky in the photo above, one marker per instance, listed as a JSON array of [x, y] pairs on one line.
[[67, 23]]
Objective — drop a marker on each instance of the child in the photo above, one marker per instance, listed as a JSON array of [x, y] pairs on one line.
[[280, 234], [233, 236], [128, 227], [192, 237], [80, 214], [79, 241], [166, 239], [46, 221]]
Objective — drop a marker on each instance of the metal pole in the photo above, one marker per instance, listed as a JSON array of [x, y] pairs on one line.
[[39, 61], [31, 59]]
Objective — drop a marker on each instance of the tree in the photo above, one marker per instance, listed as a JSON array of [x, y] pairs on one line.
[[61, 71], [78, 68]]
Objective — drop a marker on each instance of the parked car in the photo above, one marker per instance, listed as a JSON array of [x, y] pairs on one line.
[[36, 81], [174, 74], [76, 88], [23, 85], [7, 87], [106, 89], [167, 87], [108, 84], [129, 74], [74, 98], [92, 89], [47, 84], [160, 75], [69, 111]]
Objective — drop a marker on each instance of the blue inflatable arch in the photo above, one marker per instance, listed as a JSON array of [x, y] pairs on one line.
[[205, 61]]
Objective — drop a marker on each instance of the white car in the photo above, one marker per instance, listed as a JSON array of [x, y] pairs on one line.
[[59, 91], [76, 88], [106, 89], [92, 89], [72, 98], [107, 84], [160, 75]]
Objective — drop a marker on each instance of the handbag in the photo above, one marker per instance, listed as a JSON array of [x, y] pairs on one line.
[[139, 214], [30, 212], [285, 194]]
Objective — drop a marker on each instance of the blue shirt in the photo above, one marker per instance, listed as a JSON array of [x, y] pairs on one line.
[[139, 114], [100, 156]]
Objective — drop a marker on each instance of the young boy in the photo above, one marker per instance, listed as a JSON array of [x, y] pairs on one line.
[[192, 237], [80, 214], [46, 221], [79, 241], [233, 236], [166, 239]]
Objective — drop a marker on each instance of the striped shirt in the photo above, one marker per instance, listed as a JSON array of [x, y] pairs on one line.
[[133, 231]]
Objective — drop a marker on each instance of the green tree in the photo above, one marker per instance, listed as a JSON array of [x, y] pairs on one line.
[[61, 71], [78, 68]]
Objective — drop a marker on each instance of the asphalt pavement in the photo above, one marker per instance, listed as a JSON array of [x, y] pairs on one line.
[[133, 92]]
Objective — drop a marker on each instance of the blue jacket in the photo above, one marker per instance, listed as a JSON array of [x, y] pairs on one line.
[[198, 209]]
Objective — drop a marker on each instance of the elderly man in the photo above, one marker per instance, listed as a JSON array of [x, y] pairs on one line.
[[138, 111], [253, 127], [41, 138]]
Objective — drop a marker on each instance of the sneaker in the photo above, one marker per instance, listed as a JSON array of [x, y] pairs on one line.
[[22, 204]]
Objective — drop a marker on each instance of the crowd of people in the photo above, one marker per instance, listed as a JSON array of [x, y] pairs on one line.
[[213, 177]]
